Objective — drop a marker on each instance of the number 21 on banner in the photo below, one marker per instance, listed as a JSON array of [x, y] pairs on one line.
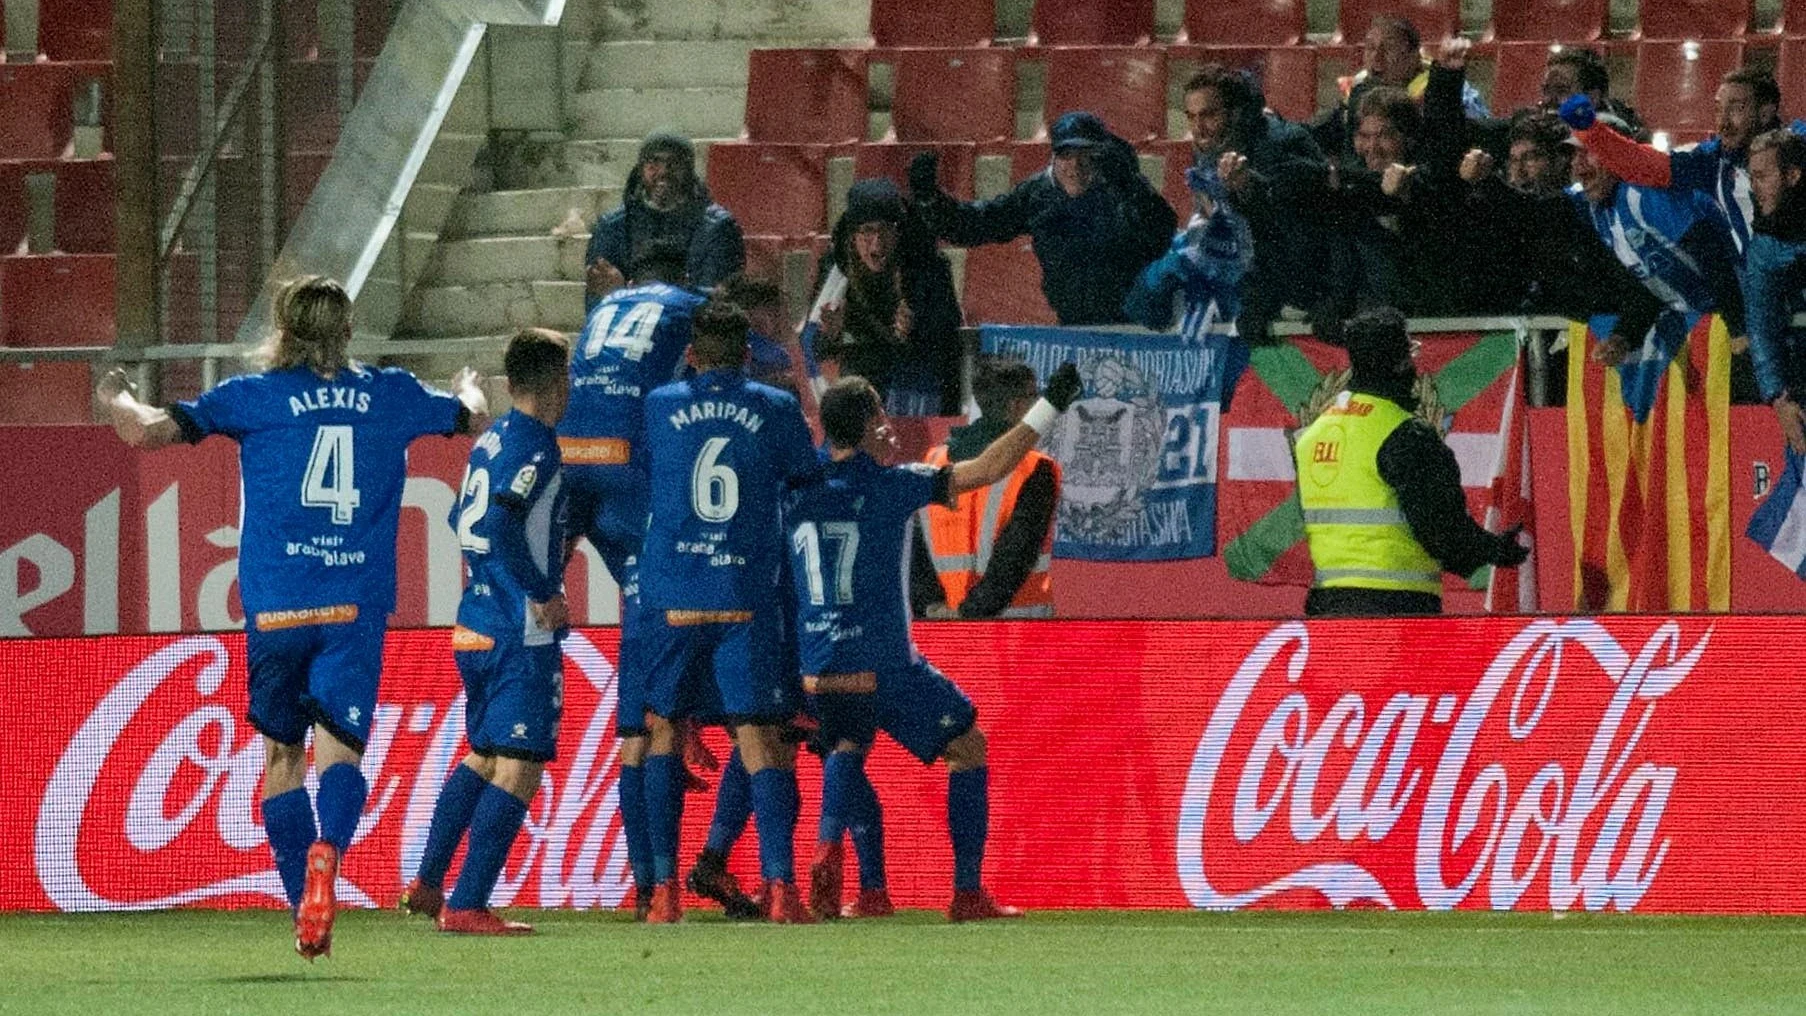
[[1188, 451]]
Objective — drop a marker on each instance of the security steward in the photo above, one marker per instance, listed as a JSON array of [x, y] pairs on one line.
[[990, 555], [1384, 512]]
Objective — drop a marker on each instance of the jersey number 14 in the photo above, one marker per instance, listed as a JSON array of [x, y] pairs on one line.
[[331, 477]]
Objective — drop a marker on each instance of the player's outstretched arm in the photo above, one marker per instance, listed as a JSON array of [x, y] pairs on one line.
[[467, 386], [1002, 455], [139, 425]]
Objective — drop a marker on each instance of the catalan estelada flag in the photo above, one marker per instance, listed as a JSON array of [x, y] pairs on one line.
[[1649, 469]]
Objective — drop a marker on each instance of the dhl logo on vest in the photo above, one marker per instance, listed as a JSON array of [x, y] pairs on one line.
[[1326, 456]]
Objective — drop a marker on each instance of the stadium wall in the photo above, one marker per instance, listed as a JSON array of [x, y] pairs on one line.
[[1625, 763]]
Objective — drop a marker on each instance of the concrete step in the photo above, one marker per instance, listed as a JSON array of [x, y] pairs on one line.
[[527, 212], [496, 259], [451, 160], [637, 112], [493, 309], [595, 163], [668, 63], [730, 19]]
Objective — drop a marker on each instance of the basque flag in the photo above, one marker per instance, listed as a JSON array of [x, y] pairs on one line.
[[1779, 524]]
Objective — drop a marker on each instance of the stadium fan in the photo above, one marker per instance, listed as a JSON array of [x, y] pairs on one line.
[[989, 553], [1095, 221], [1576, 70], [317, 422], [1384, 514], [511, 522], [1772, 276], [664, 199], [1273, 171], [1392, 57], [721, 451], [846, 540]]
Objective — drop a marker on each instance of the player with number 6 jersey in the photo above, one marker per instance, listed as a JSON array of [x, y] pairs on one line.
[[323, 459]]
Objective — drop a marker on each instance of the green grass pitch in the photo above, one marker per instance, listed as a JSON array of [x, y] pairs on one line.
[[1061, 962]]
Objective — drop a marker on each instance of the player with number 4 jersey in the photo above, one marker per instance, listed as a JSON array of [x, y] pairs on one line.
[[322, 455], [847, 537]]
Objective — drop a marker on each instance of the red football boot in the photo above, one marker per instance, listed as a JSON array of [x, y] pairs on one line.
[[313, 918], [826, 875], [787, 904], [479, 922], [667, 904], [977, 905], [870, 903], [420, 898]]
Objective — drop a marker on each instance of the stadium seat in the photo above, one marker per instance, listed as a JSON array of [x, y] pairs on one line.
[[1693, 19], [1093, 22], [891, 160], [772, 189], [39, 115], [75, 29], [1677, 81], [45, 393], [1790, 74], [1003, 285], [15, 209], [933, 22], [1287, 74], [1435, 19], [765, 254], [1175, 156], [1548, 20], [84, 206], [310, 106], [1124, 86], [1517, 75], [953, 94], [1027, 158], [806, 96], [56, 300], [1244, 22]]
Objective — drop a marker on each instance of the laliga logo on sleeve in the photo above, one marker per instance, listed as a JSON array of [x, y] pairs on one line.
[[1594, 831]]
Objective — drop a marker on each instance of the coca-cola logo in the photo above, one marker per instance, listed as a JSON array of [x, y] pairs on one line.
[[153, 803], [1539, 778]]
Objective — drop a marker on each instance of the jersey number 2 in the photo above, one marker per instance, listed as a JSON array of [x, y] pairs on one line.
[[808, 539], [331, 480], [475, 496]]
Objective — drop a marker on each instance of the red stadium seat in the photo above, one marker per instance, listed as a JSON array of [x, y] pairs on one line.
[[806, 96], [15, 208], [1175, 157], [1093, 22], [1693, 19], [933, 22], [1790, 74], [765, 254], [310, 104], [1003, 285], [1027, 158], [1244, 22], [772, 189], [76, 29], [1677, 82], [1124, 86], [953, 94], [1548, 20], [45, 393], [1517, 75], [891, 160], [84, 206], [1435, 19], [57, 300], [39, 114]]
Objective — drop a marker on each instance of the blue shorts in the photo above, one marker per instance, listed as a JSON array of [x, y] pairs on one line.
[[513, 699], [917, 705], [748, 661], [310, 674]]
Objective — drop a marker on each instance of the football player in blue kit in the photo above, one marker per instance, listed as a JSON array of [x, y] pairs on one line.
[[848, 535], [510, 520], [722, 452], [322, 456]]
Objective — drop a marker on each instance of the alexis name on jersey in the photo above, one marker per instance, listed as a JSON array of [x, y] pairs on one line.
[[334, 397]]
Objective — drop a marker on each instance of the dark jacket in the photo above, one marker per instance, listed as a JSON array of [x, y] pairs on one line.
[[1090, 247], [708, 231], [925, 364], [1773, 279]]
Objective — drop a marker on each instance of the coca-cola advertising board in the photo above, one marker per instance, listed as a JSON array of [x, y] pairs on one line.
[[1629, 763]]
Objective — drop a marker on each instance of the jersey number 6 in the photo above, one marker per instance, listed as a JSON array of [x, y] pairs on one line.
[[714, 486]]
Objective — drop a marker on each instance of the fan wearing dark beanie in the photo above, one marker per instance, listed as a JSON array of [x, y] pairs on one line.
[[664, 200], [1384, 512]]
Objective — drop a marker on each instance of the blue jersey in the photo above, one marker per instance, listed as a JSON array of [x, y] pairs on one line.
[[322, 466], [510, 520], [849, 544], [632, 342], [1643, 227], [722, 452]]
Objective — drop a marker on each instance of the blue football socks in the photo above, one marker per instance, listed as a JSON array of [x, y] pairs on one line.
[[865, 824], [968, 821], [775, 803], [288, 820], [451, 817], [664, 812], [733, 805], [839, 776], [493, 827], [341, 803], [633, 825]]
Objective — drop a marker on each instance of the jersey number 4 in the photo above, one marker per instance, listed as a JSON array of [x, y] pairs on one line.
[[808, 541], [331, 479]]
